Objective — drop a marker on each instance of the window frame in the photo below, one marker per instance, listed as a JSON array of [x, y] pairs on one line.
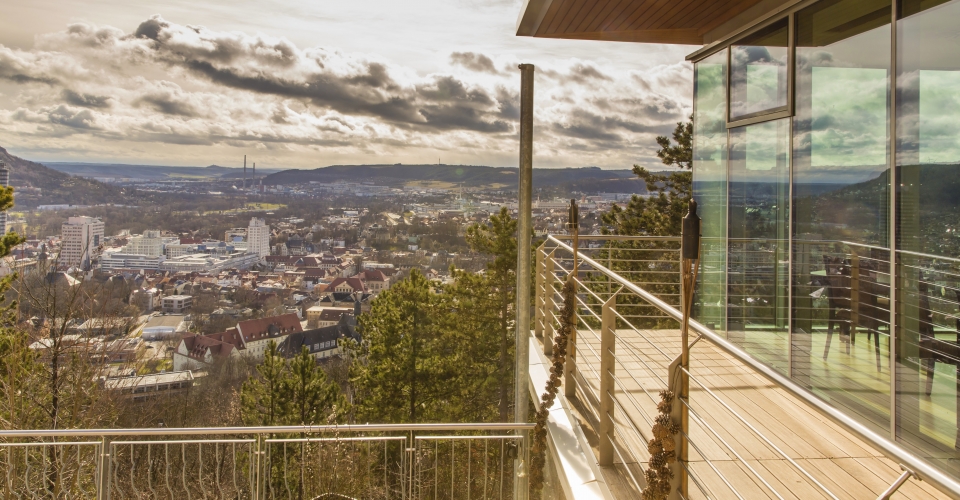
[[779, 112]]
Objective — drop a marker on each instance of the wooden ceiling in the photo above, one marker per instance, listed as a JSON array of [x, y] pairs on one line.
[[650, 21]]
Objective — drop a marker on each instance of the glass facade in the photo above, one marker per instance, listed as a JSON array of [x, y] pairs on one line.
[[710, 185], [927, 215], [831, 250]]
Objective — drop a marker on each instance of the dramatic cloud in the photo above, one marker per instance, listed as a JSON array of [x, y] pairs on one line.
[[96, 88], [474, 62]]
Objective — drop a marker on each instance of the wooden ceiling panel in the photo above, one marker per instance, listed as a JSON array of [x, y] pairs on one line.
[[655, 6], [666, 21], [578, 10], [591, 23]]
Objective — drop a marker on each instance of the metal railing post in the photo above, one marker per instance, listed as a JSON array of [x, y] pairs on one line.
[[608, 322], [549, 304], [570, 366], [103, 490], [689, 265], [539, 294]]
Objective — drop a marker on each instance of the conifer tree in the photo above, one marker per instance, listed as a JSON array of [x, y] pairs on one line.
[[661, 213], [312, 395], [265, 399], [406, 369], [499, 240]]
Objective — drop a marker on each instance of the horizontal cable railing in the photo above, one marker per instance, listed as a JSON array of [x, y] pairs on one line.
[[628, 288], [407, 461]]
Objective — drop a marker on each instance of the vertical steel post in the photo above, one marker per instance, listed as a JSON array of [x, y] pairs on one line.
[[608, 322], [539, 295], [570, 367], [524, 229], [103, 487], [549, 305], [690, 260]]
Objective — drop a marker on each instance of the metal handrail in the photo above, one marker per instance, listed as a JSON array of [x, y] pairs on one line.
[[280, 429], [892, 450]]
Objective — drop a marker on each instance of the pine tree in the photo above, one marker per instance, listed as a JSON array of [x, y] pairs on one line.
[[405, 371], [499, 240], [265, 399], [312, 395], [661, 213]]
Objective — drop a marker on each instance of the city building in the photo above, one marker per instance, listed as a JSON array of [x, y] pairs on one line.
[[258, 237], [150, 244], [121, 260], [256, 334], [176, 304], [81, 238], [153, 385], [163, 326]]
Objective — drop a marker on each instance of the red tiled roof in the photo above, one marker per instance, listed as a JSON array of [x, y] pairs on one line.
[[257, 329], [353, 282], [373, 275]]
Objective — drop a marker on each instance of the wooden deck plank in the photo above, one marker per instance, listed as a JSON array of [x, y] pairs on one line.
[[845, 465]]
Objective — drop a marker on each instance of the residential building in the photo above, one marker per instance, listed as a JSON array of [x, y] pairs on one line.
[[323, 342], [346, 285], [176, 304], [199, 351], [319, 316], [80, 240], [256, 334]]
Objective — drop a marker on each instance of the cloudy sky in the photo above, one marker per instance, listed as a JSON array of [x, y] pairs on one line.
[[309, 84]]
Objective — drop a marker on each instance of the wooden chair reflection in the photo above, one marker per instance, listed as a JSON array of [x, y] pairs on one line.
[[854, 295]]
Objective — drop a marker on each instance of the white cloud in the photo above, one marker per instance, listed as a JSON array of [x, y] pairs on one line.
[[97, 92]]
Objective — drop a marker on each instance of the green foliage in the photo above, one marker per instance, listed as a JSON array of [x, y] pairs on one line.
[[494, 295], [19, 368], [294, 393], [408, 371], [661, 213]]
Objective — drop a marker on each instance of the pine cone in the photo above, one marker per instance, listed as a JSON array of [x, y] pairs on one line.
[[664, 407], [668, 444], [663, 420]]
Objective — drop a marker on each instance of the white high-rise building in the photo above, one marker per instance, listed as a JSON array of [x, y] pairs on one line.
[[80, 241], [258, 237], [150, 243]]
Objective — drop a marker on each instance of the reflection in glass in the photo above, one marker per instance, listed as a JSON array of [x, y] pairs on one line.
[[841, 272], [757, 267], [928, 246], [758, 72], [710, 185]]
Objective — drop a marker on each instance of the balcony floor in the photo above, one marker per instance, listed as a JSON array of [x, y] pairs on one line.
[[847, 466]]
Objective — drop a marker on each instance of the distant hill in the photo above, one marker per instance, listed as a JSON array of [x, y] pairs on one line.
[[55, 187], [155, 172], [584, 179]]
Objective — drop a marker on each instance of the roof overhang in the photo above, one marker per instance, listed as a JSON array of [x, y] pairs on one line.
[[685, 22]]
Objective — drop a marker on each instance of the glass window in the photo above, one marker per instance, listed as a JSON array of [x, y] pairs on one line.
[[841, 183], [758, 72], [710, 185], [928, 246], [758, 258]]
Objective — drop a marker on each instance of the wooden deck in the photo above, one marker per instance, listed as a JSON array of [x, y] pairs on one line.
[[838, 460]]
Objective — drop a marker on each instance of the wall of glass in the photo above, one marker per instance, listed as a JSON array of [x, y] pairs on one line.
[[928, 247], [798, 208], [710, 186], [841, 192], [757, 267]]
